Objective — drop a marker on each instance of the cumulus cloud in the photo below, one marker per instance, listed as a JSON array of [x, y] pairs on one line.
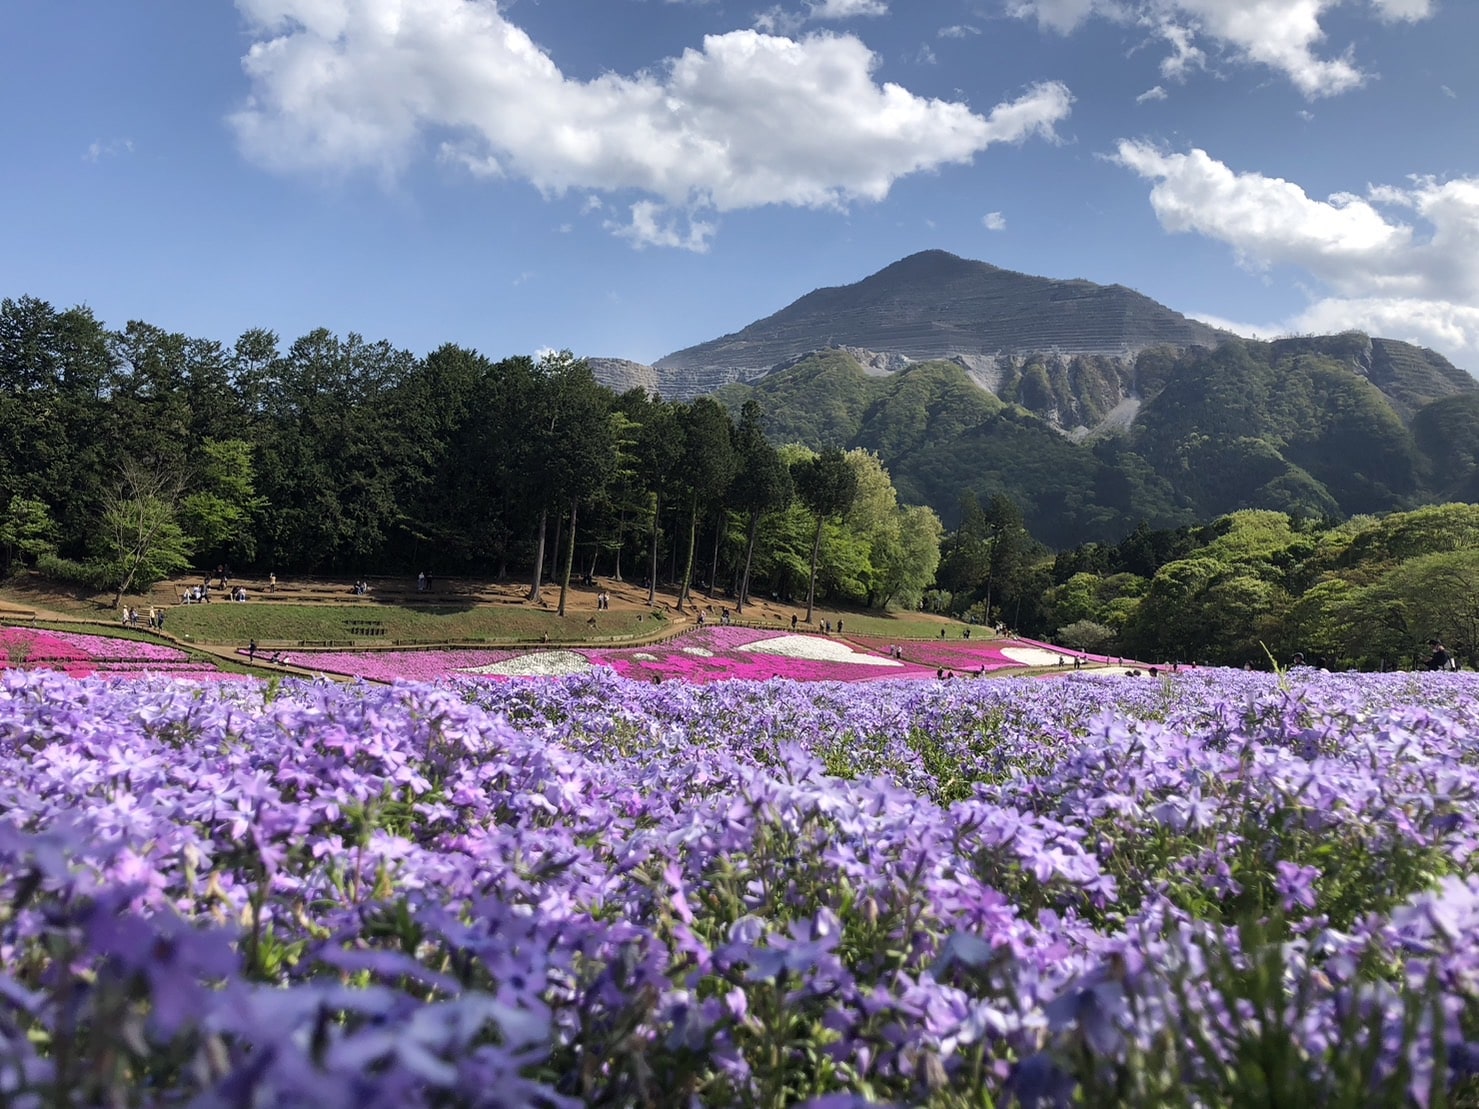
[[1397, 260], [1156, 92], [994, 221], [745, 120], [1283, 35]]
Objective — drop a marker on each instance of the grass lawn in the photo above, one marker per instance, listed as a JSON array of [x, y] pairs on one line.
[[274, 623], [282, 623]]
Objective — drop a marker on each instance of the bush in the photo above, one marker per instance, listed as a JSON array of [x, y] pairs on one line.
[[1086, 635], [91, 575]]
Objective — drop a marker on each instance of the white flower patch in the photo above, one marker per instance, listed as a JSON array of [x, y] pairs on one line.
[[643, 656], [541, 664], [815, 648], [701, 652], [1033, 656]]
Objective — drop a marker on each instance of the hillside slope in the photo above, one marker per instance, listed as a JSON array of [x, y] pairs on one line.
[[1320, 426]]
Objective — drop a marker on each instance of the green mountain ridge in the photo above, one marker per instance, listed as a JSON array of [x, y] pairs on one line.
[[1319, 426]]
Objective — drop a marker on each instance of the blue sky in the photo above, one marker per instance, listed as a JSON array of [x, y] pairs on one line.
[[625, 178]]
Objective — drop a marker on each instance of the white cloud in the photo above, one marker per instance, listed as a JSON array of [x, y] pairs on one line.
[[958, 31], [1062, 15], [97, 150], [994, 221], [1154, 93], [653, 224], [1410, 10], [846, 9], [1185, 55], [1282, 35], [745, 120], [1401, 261]]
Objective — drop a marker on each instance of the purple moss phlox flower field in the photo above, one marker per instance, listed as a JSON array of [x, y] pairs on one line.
[[591, 890]]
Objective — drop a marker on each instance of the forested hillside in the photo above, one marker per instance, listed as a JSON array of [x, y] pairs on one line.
[[129, 455], [1317, 427], [1256, 587]]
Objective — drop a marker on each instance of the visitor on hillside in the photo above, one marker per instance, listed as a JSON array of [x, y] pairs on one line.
[[153, 613], [793, 621], [161, 620], [1440, 658], [839, 625], [252, 651], [421, 582], [272, 583]]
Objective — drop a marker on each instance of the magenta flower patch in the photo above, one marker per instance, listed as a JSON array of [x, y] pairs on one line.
[[80, 655]]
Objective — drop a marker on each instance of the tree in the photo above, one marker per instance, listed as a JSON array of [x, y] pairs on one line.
[[706, 468], [566, 452], [590, 459], [54, 446], [906, 568], [658, 450], [220, 515], [142, 541], [1086, 635], [336, 458], [826, 484], [26, 530], [762, 483]]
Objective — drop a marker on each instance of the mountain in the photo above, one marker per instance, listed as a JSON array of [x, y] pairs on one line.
[[934, 305], [1316, 426], [621, 374]]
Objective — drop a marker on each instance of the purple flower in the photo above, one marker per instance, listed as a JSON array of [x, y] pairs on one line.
[[1295, 885]]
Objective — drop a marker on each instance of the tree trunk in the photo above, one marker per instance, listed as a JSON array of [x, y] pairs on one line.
[[692, 542], [744, 589], [569, 559], [811, 586], [714, 562], [652, 568], [621, 531], [554, 558], [538, 558]]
